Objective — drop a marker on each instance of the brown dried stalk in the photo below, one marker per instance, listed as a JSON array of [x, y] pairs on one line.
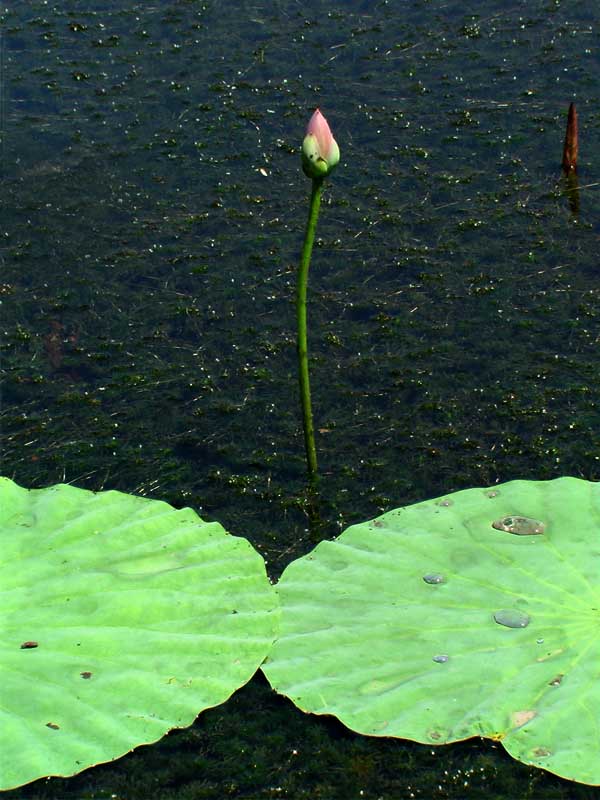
[[569, 160]]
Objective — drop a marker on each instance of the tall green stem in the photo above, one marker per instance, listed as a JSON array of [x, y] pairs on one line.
[[309, 238]]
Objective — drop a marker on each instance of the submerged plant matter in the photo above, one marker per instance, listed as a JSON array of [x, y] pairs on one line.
[[320, 154]]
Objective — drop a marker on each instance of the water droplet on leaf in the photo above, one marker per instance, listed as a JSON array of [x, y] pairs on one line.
[[511, 618], [521, 526], [434, 577], [441, 659], [541, 752]]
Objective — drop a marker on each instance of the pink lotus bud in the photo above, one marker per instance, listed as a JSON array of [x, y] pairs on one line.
[[320, 151]]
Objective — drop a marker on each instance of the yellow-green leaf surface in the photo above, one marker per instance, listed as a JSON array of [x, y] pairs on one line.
[[121, 619], [476, 614]]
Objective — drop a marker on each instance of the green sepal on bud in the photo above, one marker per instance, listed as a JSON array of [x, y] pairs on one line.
[[312, 162]]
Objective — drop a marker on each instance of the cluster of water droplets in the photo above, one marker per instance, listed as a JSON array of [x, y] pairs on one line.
[[514, 524]]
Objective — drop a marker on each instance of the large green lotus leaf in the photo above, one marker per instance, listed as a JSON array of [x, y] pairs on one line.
[[121, 619], [476, 614]]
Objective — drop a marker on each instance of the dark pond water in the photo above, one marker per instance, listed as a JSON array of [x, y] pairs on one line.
[[152, 215]]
